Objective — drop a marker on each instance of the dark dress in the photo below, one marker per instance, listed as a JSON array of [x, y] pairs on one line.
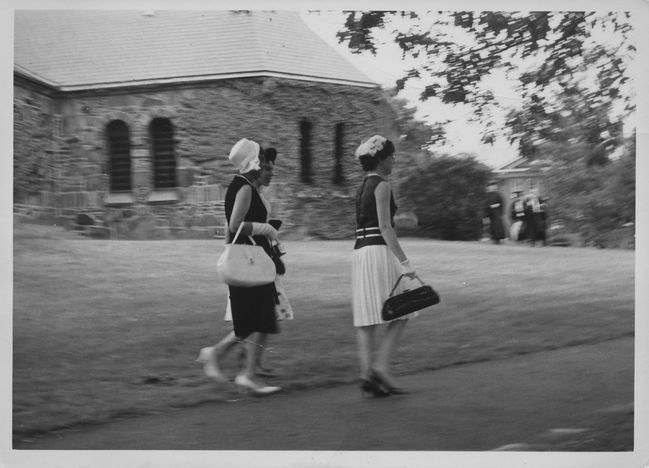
[[494, 211], [536, 215], [253, 309]]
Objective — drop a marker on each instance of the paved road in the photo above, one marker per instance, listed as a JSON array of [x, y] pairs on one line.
[[483, 406]]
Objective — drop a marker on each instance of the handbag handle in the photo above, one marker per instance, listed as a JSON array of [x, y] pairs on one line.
[[236, 236], [399, 280]]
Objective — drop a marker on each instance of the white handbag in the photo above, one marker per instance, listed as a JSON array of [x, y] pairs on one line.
[[245, 265]]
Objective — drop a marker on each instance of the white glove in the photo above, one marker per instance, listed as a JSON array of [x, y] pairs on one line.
[[264, 229], [406, 269]]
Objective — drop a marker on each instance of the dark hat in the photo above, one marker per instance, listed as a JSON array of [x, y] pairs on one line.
[[270, 154]]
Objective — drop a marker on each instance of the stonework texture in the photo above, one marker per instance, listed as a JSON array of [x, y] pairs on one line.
[[61, 153]]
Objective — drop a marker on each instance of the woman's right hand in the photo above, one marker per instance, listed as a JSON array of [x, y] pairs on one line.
[[264, 229]]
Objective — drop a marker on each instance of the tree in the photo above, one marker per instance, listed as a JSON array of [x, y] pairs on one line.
[[592, 201], [572, 121], [447, 195], [456, 51], [414, 135]]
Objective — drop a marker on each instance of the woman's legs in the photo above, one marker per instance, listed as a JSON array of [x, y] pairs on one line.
[[253, 345], [211, 355], [387, 349], [365, 339]]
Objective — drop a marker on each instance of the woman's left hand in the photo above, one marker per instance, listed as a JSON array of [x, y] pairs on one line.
[[407, 270]]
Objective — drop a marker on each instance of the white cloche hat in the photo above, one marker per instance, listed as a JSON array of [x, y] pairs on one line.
[[245, 155]]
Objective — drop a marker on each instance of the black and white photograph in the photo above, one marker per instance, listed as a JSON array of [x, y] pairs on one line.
[[346, 235]]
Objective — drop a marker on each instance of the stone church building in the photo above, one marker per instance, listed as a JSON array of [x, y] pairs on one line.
[[129, 116]]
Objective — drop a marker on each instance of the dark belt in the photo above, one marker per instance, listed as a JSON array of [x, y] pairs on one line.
[[368, 236], [368, 232]]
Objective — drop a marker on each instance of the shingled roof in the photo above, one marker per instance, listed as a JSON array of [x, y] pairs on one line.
[[89, 49]]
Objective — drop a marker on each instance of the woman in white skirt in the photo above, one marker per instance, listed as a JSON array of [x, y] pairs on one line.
[[377, 263]]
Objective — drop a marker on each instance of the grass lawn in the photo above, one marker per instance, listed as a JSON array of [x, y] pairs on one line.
[[109, 328]]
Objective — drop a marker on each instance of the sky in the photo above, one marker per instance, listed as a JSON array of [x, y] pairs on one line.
[[462, 135], [387, 66]]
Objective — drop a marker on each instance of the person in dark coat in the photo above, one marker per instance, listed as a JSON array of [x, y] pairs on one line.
[[493, 212], [536, 214]]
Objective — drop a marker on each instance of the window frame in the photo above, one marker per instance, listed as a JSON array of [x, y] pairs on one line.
[[119, 180], [306, 158], [164, 165]]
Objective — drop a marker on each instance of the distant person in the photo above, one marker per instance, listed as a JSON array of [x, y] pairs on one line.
[[518, 229], [211, 356], [377, 263], [493, 213], [536, 215]]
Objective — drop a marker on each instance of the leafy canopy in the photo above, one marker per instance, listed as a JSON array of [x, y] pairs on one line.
[[550, 54]]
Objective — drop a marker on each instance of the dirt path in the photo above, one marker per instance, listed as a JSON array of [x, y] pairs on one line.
[[483, 406]]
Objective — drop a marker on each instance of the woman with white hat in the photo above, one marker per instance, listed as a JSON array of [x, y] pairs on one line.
[[377, 263], [211, 356], [253, 308]]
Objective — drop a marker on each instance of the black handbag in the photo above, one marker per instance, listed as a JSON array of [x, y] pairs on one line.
[[408, 301]]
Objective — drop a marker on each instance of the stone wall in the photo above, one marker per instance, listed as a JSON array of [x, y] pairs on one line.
[[34, 147], [208, 118]]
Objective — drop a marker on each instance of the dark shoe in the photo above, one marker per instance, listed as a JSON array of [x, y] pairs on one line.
[[263, 372], [388, 387], [371, 388]]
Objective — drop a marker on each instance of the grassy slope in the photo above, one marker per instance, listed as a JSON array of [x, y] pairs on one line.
[[103, 328]]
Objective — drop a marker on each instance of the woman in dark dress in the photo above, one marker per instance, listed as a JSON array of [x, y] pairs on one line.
[[253, 308], [211, 356]]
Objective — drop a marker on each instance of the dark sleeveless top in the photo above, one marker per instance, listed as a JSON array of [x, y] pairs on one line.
[[256, 213], [253, 308], [367, 219]]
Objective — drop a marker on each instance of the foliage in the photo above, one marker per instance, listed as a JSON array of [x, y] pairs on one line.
[[593, 201], [455, 51], [447, 195], [573, 120], [413, 134]]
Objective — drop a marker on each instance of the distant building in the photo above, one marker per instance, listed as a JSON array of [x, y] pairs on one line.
[[521, 175], [129, 116]]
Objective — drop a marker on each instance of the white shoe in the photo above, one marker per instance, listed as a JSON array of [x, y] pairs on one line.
[[210, 368], [204, 354], [246, 382]]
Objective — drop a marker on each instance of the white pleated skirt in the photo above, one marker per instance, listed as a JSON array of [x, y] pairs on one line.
[[375, 270]]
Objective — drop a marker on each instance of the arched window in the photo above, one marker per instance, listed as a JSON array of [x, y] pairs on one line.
[[119, 148], [164, 159], [339, 136], [305, 151]]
